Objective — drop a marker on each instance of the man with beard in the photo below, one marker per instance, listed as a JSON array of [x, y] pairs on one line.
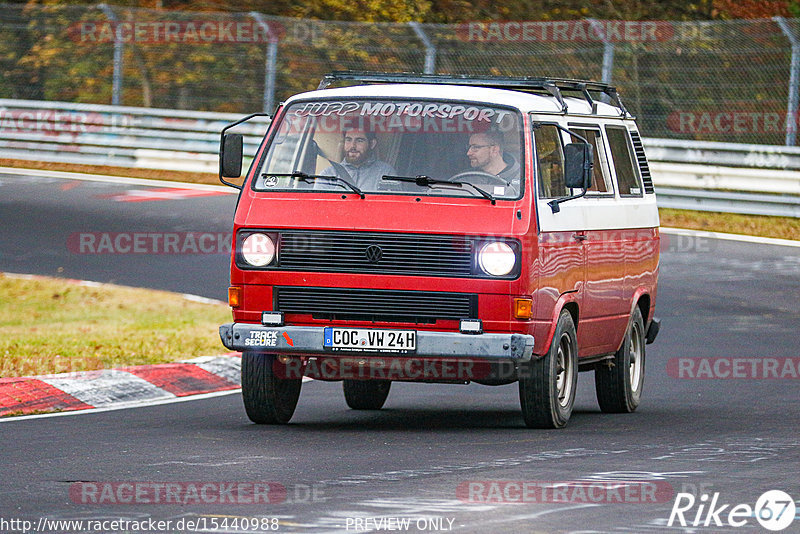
[[360, 161], [485, 153]]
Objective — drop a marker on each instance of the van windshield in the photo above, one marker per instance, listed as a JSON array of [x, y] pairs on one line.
[[332, 145]]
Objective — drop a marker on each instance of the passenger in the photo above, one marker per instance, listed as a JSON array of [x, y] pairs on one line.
[[485, 153], [360, 161]]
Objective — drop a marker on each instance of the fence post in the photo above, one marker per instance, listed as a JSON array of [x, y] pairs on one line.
[[430, 50], [270, 69], [116, 84], [794, 82], [608, 51]]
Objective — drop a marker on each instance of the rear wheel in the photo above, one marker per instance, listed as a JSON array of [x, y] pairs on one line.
[[366, 394], [619, 382], [270, 397], [547, 385]]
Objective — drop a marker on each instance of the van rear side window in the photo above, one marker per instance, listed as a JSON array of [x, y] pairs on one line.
[[627, 177], [599, 182]]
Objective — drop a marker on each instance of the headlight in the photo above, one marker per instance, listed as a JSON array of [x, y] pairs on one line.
[[258, 250], [497, 258]]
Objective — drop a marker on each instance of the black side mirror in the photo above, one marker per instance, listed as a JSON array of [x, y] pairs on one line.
[[230, 152], [578, 162], [230, 155]]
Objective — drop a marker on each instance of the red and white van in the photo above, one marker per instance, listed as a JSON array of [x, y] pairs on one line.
[[444, 229]]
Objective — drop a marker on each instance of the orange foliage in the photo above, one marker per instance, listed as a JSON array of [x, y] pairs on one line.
[[752, 9]]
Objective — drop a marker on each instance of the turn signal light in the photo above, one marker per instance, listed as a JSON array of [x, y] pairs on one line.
[[523, 308], [234, 296]]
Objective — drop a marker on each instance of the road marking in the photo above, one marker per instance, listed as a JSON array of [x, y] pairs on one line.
[[172, 193], [33, 173], [732, 237], [123, 406]]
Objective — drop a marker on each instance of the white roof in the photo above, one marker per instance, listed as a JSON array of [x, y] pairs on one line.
[[525, 102]]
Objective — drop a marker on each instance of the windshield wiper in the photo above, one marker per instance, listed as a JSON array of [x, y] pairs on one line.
[[423, 180], [313, 177]]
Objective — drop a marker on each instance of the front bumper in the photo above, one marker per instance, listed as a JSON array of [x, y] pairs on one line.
[[307, 341]]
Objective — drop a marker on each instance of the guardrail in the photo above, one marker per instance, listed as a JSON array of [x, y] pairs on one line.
[[729, 202], [687, 174], [118, 136]]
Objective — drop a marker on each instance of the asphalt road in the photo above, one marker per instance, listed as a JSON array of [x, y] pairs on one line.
[[414, 459]]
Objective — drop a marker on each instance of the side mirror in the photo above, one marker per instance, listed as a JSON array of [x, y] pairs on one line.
[[230, 155], [578, 162]]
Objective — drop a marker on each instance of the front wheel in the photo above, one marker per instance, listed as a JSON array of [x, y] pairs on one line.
[[619, 382], [366, 394], [269, 394], [547, 385]]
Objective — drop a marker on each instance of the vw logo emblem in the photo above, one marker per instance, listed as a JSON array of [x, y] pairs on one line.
[[374, 253]]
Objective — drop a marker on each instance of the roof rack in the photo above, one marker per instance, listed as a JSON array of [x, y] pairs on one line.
[[553, 86]]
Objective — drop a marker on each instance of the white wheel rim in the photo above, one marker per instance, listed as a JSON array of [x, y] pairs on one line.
[[636, 349], [564, 370]]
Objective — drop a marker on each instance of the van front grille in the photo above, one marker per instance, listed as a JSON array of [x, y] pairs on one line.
[[380, 253], [377, 305]]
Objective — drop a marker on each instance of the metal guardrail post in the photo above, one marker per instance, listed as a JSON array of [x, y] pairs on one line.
[[794, 82], [430, 49], [608, 51], [270, 69], [116, 90]]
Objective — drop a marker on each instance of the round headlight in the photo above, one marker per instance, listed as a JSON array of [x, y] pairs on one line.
[[258, 250], [497, 258]]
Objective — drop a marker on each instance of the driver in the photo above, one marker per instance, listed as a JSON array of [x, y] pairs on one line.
[[485, 153], [360, 160]]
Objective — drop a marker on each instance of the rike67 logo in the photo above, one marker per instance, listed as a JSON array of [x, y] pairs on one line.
[[774, 510]]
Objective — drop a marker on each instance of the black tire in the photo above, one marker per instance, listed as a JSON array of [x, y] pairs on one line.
[[366, 394], [619, 382], [269, 396], [547, 385]]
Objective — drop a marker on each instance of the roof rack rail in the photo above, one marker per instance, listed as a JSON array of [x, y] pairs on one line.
[[553, 86]]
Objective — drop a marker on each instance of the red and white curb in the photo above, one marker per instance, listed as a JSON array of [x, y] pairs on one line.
[[118, 388]]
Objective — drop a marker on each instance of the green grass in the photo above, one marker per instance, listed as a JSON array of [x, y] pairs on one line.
[[56, 326], [732, 223]]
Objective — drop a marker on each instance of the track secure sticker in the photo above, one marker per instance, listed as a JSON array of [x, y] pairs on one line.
[[262, 338]]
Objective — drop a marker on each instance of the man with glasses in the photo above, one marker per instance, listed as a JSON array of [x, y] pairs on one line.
[[485, 153]]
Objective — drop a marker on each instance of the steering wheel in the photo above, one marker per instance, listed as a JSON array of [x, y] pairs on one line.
[[480, 177]]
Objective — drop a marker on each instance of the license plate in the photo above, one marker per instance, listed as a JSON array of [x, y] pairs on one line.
[[367, 340]]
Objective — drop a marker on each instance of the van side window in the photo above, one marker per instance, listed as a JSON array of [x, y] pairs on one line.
[[550, 155], [599, 182], [627, 178]]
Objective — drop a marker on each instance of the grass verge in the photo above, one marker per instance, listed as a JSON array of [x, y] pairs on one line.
[[152, 174], [56, 326], [732, 223]]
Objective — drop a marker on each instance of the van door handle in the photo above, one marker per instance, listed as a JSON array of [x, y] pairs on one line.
[[581, 236]]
